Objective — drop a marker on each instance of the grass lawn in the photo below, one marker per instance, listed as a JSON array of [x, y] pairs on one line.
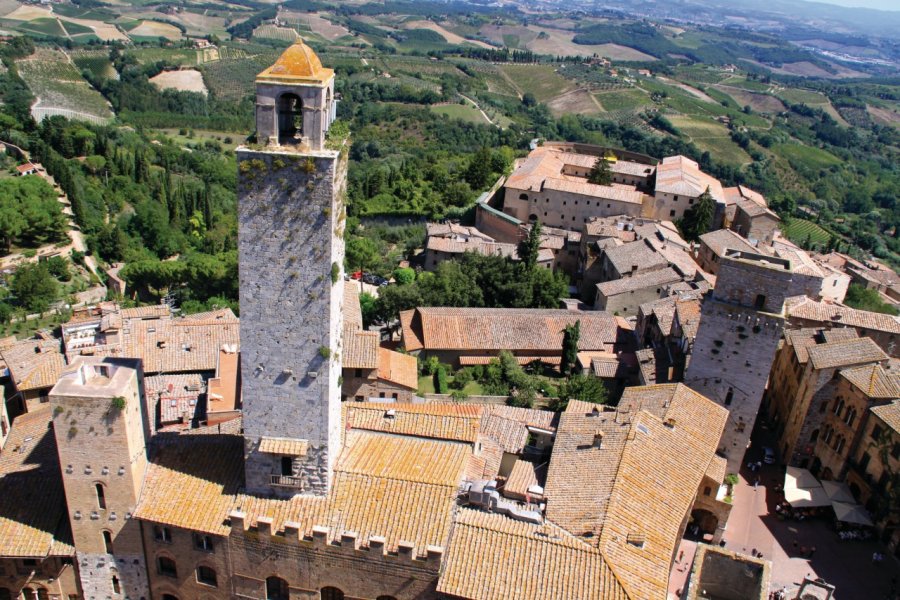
[[426, 386], [799, 230], [806, 156]]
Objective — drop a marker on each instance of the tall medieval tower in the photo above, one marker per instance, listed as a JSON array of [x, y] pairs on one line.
[[291, 186], [740, 326], [99, 425]]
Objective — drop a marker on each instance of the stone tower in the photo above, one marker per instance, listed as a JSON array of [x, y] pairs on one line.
[[740, 326], [99, 425], [290, 242]]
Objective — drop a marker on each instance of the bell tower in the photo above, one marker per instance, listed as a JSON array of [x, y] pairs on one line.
[[291, 187], [295, 100]]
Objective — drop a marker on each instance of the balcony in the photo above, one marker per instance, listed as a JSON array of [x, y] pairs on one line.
[[285, 481]]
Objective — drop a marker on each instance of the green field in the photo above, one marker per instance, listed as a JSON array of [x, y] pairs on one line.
[[59, 86], [43, 27], [232, 79], [623, 100], [541, 80], [466, 112], [96, 62], [179, 56], [806, 156], [801, 230], [798, 96], [711, 136]]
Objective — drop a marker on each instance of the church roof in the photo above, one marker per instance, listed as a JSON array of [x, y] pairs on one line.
[[297, 64]]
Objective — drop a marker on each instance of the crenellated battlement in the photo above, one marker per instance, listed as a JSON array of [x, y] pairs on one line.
[[320, 537], [753, 321]]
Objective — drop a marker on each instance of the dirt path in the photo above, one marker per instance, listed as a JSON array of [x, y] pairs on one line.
[[483, 114], [690, 90]]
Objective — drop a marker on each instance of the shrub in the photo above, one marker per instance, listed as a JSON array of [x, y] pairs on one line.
[[462, 378], [440, 380], [335, 272], [325, 352]]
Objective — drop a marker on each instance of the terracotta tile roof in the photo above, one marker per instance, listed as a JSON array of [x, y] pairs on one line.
[[664, 311], [626, 285], [681, 176], [874, 381], [459, 422], [657, 480], [801, 340], [522, 360], [284, 446], [845, 353], [220, 314], [575, 502], [521, 478], [352, 308], [33, 520], [207, 472], [34, 364], [725, 239], [614, 193], [890, 414], [178, 394], [508, 425], [478, 246], [146, 312], [717, 469], [754, 209], [493, 557], [454, 230], [687, 312], [398, 368], [360, 349], [639, 254], [443, 328], [174, 345], [801, 307]]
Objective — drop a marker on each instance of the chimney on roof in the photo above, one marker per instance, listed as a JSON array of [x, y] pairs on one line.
[[598, 439]]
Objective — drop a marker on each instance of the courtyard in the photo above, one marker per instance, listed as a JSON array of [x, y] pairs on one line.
[[754, 525]]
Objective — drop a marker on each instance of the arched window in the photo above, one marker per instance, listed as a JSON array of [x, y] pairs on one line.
[[277, 588], [839, 446], [814, 436], [523, 196], [169, 597], [117, 589], [28, 594], [331, 593], [287, 465], [729, 396], [851, 417], [101, 496], [43, 594], [290, 117], [166, 566], [107, 541], [206, 575]]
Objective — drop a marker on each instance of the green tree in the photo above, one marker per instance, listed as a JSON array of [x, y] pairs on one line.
[[698, 218], [404, 275], [866, 299], [571, 335], [12, 223], [34, 287], [586, 388], [479, 172], [601, 173], [530, 247], [368, 307]]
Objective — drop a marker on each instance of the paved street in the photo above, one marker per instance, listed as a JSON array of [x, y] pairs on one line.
[[754, 525]]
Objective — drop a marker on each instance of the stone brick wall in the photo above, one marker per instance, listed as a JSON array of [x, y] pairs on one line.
[[290, 241], [54, 575], [102, 445], [563, 209], [188, 558], [369, 386], [329, 559]]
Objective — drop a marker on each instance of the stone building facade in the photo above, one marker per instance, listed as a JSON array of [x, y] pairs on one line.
[[290, 242], [99, 424], [740, 327]]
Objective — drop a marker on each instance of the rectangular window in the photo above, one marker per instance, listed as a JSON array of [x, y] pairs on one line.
[[206, 575], [162, 534], [203, 542], [876, 432], [357, 373], [895, 451]]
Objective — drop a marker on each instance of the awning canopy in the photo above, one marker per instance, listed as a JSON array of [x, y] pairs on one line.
[[806, 498], [803, 490], [851, 513], [838, 492], [800, 478]]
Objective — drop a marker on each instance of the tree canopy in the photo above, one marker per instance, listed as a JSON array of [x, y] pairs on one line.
[[698, 218], [601, 173], [30, 214]]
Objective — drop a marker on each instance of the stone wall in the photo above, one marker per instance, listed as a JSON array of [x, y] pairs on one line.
[[290, 240], [370, 386], [188, 558], [359, 568], [55, 576], [566, 210]]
